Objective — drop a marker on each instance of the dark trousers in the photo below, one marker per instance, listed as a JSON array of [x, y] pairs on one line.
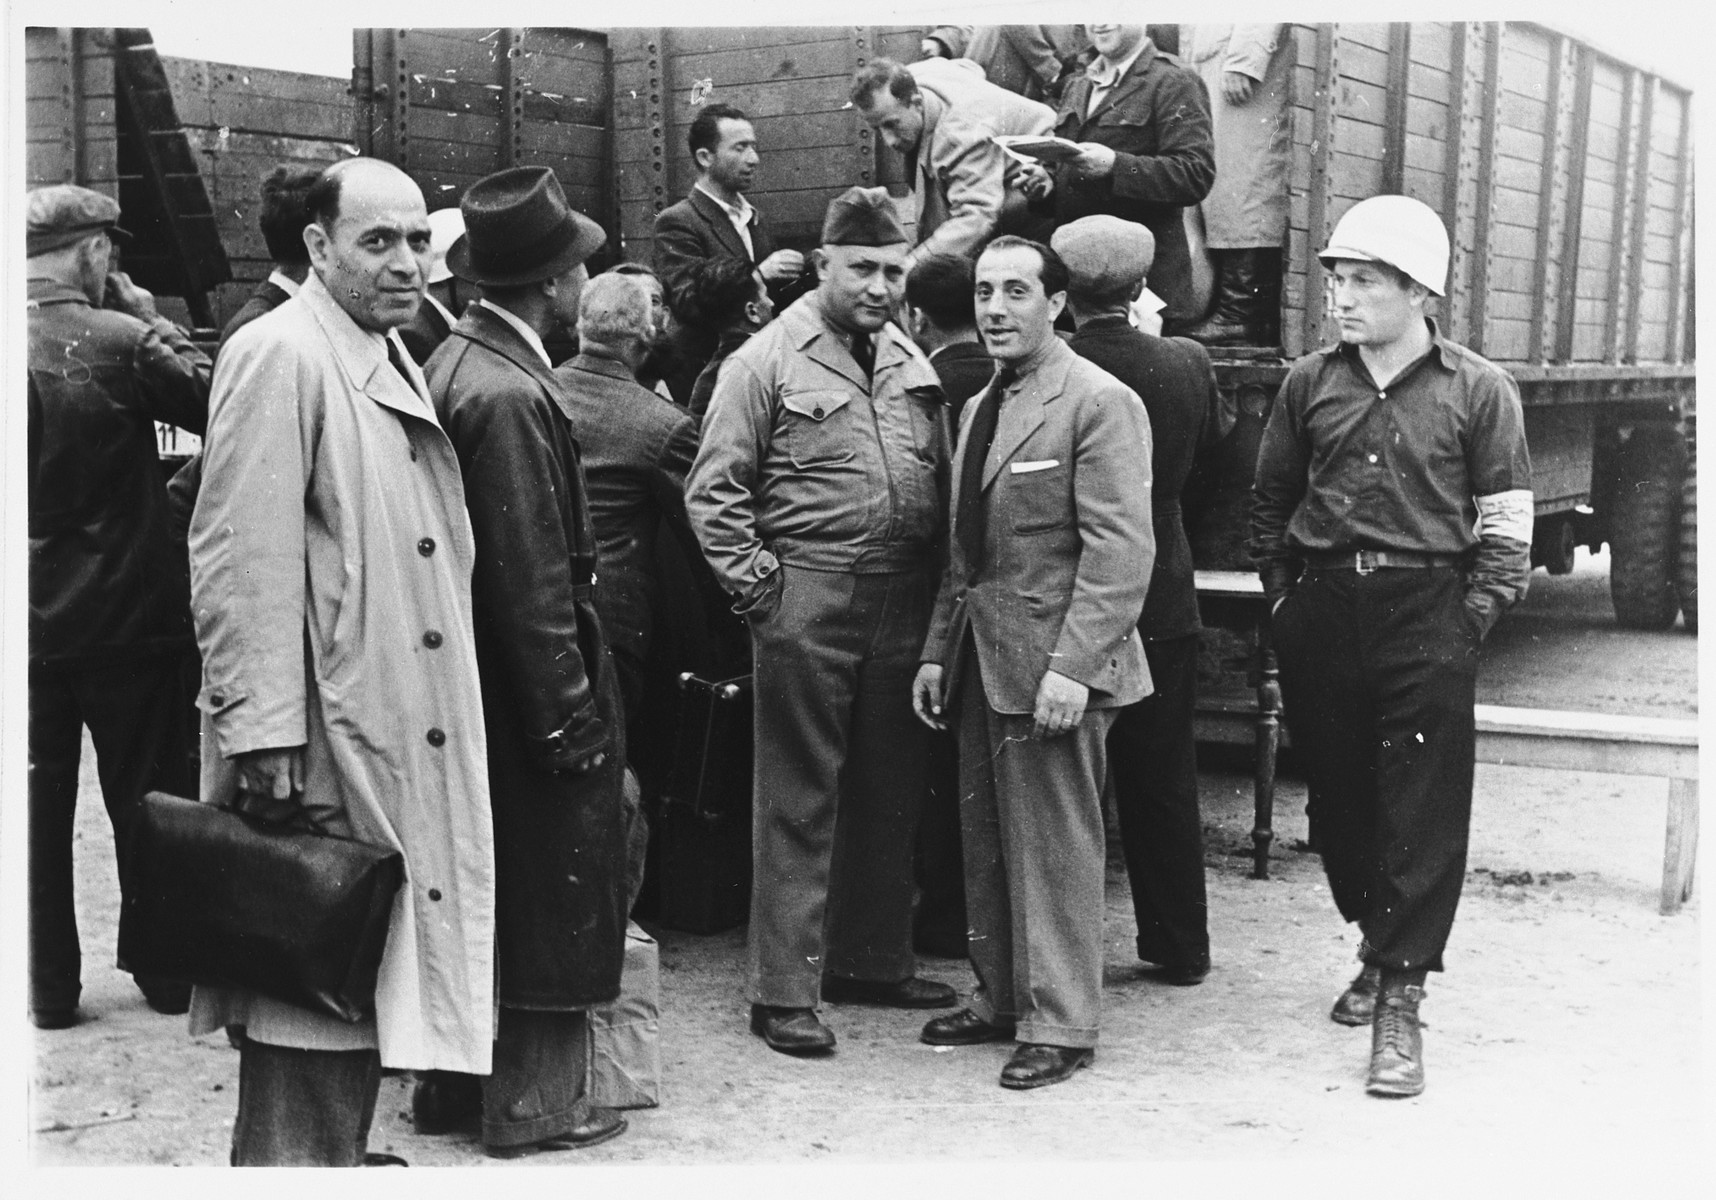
[[940, 923], [1377, 677], [136, 713], [1153, 765], [535, 1089], [303, 1108], [839, 780]]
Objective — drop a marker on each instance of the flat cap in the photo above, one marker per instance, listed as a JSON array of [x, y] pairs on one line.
[[66, 213], [862, 216], [1104, 254]]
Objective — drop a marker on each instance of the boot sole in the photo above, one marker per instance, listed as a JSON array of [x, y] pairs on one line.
[[1394, 1091], [1351, 1020]]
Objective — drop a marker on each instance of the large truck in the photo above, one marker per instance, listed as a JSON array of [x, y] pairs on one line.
[[1564, 174]]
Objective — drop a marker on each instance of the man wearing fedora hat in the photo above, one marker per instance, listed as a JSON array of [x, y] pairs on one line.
[[556, 737], [818, 494]]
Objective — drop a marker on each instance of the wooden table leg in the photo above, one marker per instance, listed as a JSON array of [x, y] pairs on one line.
[[1680, 853], [1268, 744]]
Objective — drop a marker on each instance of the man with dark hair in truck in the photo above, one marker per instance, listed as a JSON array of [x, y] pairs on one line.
[[717, 221], [1391, 525], [943, 116], [1141, 122]]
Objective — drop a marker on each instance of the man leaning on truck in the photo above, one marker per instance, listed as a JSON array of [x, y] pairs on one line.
[[1391, 525]]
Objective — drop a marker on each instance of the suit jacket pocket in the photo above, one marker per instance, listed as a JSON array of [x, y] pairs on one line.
[[1040, 501]]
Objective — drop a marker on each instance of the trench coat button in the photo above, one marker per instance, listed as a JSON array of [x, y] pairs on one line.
[[817, 412], [432, 639], [437, 738], [434, 893], [218, 699], [426, 546]]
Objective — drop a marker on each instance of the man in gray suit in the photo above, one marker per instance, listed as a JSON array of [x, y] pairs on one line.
[[1035, 638]]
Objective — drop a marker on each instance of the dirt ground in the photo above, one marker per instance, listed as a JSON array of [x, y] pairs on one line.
[[1567, 1028]]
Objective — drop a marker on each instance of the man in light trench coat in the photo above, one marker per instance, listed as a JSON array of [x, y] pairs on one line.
[[329, 543]]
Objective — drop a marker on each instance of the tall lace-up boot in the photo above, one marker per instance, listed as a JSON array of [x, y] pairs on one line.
[[1396, 1038]]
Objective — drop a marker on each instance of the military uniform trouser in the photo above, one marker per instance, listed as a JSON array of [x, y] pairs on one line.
[[839, 777], [136, 712], [1378, 677]]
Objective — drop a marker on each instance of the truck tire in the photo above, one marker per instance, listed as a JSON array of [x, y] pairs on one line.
[[1686, 565], [1643, 527], [1557, 544]]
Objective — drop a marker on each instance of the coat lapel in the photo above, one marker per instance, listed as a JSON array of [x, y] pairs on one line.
[[363, 357], [1023, 414], [487, 330], [716, 218], [1133, 80]]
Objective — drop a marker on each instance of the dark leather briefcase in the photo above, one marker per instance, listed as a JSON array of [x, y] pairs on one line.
[[703, 855], [220, 899]]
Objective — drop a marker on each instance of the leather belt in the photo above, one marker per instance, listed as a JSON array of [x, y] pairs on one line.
[[1366, 561]]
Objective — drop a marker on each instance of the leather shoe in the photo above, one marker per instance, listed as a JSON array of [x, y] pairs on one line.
[[1177, 974], [446, 1102], [166, 996], [1396, 1044], [375, 1158], [791, 1030], [907, 993], [1034, 1065], [599, 1125], [1357, 1004], [55, 1018], [965, 1028]]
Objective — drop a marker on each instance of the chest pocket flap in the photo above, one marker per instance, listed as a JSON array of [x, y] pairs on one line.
[[817, 405]]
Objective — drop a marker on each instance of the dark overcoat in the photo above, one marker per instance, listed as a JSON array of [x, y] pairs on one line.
[[1174, 378], [550, 695], [1157, 121]]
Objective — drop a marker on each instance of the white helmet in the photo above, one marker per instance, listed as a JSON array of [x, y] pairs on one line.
[[446, 226], [1397, 230]]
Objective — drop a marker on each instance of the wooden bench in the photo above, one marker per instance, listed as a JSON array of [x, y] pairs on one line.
[[1664, 747]]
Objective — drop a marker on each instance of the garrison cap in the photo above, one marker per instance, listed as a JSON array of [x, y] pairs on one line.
[[65, 213], [862, 216], [1104, 254]]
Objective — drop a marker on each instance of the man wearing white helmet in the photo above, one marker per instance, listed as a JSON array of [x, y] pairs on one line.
[[1391, 525], [441, 306]]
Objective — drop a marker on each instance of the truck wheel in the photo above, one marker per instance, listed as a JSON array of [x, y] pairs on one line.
[[1642, 527], [1557, 544], [1686, 566]]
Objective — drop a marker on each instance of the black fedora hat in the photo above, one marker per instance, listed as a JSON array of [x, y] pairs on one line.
[[519, 229]]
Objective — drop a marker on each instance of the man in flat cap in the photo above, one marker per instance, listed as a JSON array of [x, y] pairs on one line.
[[1151, 757], [818, 495], [331, 584], [109, 596], [551, 700], [1035, 638]]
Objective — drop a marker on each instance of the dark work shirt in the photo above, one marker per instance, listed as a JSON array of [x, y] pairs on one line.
[[1346, 465]]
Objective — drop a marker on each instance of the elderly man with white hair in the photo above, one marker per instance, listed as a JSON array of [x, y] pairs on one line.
[[637, 450]]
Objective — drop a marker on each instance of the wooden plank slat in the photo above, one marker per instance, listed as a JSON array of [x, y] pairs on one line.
[[1479, 327], [1322, 102], [1394, 124], [1638, 204], [1574, 166]]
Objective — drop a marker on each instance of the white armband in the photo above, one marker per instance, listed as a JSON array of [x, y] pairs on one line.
[[1506, 515]]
